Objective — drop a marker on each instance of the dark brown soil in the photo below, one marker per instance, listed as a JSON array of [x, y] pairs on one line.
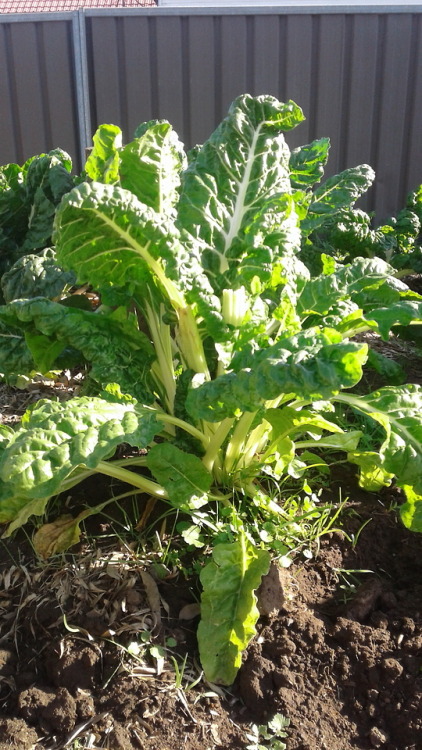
[[345, 664]]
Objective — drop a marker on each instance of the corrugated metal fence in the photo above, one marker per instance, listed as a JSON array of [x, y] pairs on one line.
[[356, 72]]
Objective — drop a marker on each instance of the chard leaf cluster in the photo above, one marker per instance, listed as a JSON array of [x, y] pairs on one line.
[[350, 233], [29, 195], [213, 348]]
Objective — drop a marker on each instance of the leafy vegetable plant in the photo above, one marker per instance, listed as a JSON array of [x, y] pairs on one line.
[[349, 233], [214, 348], [29, 195]]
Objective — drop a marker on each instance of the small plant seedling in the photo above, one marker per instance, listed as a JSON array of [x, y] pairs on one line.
[[271, 734]]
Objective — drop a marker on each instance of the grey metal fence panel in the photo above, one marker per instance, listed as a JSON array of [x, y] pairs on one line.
[[357, 77], [355, 71], [38, 92]]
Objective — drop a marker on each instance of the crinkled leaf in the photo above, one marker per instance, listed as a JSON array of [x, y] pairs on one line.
[[47, 180], [338, 192], [245, 160], [183, 475], [398, 409], [344, 316], [350, 231], [307, 163], [56, 438], [411, 261], [103, 162], [361, 294], [109, 238], [313, 365], [28, 198], [364, 274], [150, 166], [6, 433], [36, 276], [15, 356], [414, 202], [107, 235], [228, 607], [372, 476], [117, 351], [272, 234]]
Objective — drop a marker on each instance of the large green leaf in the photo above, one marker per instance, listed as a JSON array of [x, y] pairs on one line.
[[402, 313], [244, 162], [56, 438], [36, 276], [362, 294], [28, 199], [313, 365], [228, 607], [269, 239], [47, 180], [338, 192], [107, 236], [398, 409], [15, 356], [150, 166], [183, 475], [364, 274]]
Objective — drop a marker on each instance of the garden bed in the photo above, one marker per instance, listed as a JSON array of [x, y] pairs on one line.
[[227, 330], [342, 665], [338, 652]]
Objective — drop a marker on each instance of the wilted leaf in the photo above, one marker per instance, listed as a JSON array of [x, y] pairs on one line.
[[61, 534]]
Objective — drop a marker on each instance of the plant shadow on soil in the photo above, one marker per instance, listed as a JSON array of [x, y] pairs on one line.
[[339, 651]]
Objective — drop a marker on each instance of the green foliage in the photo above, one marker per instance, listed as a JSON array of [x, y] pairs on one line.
[[29, 196], [228, 606], [264, 736], [350, 234], [118, 351], [36, 276], [216, 349]]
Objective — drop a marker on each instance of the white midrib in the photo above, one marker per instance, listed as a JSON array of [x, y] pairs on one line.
[[240, 207], [142, 250]]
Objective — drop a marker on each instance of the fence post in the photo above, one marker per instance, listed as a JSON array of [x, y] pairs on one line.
[[82, 82]]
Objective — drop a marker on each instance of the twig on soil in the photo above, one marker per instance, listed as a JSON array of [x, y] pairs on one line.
[[77, 731]]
